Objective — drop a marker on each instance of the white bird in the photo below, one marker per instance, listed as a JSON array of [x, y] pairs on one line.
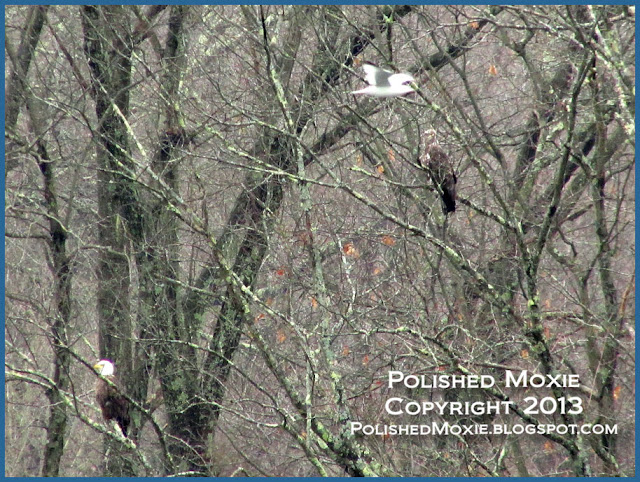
[[383, 83]]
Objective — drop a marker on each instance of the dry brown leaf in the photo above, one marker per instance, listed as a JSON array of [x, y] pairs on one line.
[[616, 392], [388, 240], [350, 250], [391, 155]]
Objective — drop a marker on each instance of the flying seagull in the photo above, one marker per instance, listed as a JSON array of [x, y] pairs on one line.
[[383, 83]]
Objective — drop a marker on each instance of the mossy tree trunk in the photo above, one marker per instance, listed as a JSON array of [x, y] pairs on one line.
[[108, 45], [20, 96]]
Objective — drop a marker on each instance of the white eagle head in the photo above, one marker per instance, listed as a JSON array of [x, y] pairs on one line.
[[104, 368]]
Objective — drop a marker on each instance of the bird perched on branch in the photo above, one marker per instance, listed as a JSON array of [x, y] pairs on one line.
[[436, 162], [383, 83], [113, 404]]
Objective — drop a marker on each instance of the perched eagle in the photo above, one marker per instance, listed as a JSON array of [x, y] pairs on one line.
[[436, 163], [113, 405]]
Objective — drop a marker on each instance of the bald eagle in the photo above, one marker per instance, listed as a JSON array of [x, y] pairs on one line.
[[113, 405], [436, 163]]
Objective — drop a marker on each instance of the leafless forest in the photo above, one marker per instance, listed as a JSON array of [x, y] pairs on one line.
[[196, 194]]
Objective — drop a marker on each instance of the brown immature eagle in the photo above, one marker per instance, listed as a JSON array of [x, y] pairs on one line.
[[436, 163], [114, 406]]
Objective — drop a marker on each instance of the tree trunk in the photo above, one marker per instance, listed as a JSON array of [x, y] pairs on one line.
[[21, 60], [107, 43]]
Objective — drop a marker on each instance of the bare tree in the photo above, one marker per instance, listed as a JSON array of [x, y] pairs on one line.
[[257, 249]]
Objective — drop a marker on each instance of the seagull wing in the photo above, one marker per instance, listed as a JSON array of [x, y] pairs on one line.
[[400, 79], [376, 76]]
